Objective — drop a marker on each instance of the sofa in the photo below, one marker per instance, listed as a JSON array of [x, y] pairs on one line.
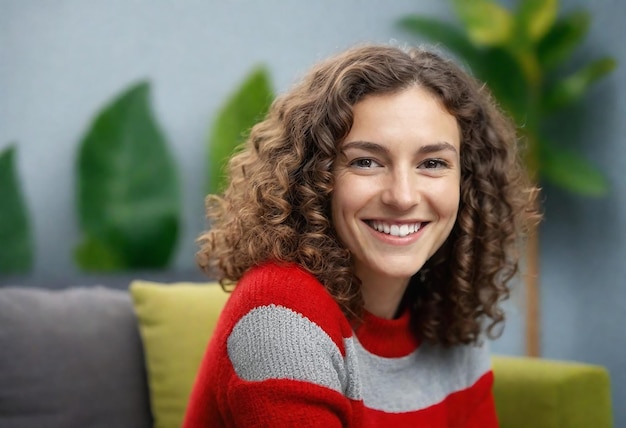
[[101, 357]]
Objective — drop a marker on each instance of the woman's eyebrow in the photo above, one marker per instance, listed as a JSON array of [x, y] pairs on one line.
[[365, 145], [438, 147], [378, 148]]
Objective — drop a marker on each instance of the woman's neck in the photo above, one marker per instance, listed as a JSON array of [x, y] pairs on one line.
[[382, 297]]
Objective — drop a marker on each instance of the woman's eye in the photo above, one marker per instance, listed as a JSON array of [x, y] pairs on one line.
[[365, 163], [434, 163]]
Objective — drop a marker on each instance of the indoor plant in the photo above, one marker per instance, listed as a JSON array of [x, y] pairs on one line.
[[523, 56]]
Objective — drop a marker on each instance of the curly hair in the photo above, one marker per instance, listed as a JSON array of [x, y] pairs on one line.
[[277, 203]]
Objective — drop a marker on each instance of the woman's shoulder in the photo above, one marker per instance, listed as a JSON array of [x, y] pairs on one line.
[[284, 284], [282, 323], [287, 293]]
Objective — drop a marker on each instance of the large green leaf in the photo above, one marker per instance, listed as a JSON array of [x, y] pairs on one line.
[[570, 171], [505, 78], [535, 17], [444, 33], [128, 191], [487, 23], [571, 89], [16, 253], [241, 111], [564, 36]]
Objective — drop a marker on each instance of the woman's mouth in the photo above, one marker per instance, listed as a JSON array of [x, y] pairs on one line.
[[400, 230]]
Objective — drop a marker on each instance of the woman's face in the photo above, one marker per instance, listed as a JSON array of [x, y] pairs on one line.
[[397, 180]]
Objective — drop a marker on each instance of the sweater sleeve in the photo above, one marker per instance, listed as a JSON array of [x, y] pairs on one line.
[[287, 403], [287, 371], [281, 355]]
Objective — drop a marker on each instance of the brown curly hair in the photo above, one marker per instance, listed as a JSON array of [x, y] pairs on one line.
[[277, 204]]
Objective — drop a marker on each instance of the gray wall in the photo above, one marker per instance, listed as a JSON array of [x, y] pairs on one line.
[[60, 60]]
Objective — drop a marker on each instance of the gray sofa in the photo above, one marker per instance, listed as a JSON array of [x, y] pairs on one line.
[[71, 358]]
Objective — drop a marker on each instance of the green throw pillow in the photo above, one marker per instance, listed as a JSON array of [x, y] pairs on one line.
[[175, 322]]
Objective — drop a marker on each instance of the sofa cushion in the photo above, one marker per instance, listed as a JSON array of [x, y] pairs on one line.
[[542, 393], [70, 358], [176, 321]]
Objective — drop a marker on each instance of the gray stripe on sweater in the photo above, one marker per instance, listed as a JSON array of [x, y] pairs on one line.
[[274, 342], [421, 379]]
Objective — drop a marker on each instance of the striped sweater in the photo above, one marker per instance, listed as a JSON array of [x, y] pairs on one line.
[[284, 355]]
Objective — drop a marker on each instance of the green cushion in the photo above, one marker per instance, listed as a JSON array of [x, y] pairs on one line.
[[541, 393], [175, 322]]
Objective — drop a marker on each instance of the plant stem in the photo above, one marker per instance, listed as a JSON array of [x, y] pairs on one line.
[[531, 277], [533, 304]]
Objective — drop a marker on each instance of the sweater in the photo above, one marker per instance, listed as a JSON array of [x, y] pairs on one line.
[[283, 354]]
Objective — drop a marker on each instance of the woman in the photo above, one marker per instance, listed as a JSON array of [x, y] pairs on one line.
[[370, 224]]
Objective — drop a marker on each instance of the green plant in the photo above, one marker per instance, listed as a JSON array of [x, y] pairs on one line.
[[16, 252], [246, 106], [521, 55], [128, 189]]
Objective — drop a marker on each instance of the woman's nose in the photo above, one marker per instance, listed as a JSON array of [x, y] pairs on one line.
[[402, 190]]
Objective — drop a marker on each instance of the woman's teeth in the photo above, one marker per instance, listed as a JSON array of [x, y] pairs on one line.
[[400, 230]]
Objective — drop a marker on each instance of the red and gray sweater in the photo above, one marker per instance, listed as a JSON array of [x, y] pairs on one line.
[[284, 355]]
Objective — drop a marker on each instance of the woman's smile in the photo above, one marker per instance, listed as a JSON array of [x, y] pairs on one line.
[[395, 229]]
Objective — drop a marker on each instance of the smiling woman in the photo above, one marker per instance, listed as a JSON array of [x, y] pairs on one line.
[[369, 224]]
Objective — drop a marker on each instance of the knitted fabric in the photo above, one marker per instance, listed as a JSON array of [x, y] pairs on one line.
[[283, 354]]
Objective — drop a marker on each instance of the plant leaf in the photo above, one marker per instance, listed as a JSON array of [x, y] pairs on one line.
[[571, 89], [128, 194], [441, 32], [16, 252], [94, 255], [563, 37], [570, 171], [505, 79], [241, 111], [487, 23], [535, 17]]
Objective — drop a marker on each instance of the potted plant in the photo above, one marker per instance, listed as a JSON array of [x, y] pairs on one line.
[[523, 56]]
